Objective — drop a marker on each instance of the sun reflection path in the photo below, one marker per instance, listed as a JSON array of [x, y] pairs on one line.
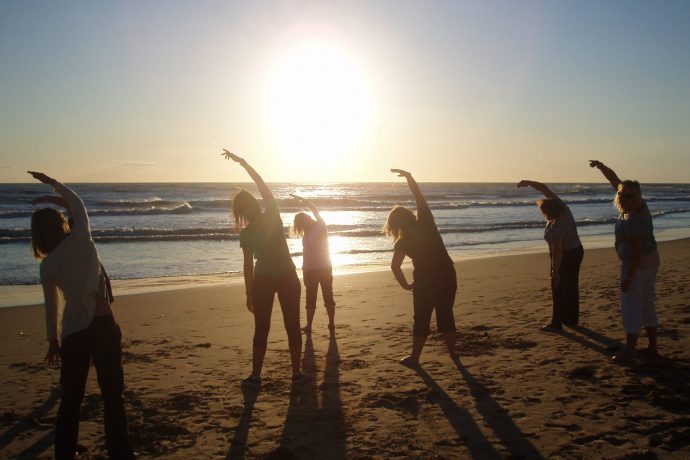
[[340, 249]]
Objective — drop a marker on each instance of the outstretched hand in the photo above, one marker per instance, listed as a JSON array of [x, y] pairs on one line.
[[595, 163], [401, 172], [42, 177], [297, 197], [231, 156], [523, 183]]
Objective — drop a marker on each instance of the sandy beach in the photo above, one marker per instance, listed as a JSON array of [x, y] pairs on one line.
[[518, 392]]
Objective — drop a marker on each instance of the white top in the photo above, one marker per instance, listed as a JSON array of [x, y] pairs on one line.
[[74, 268], [315, 247]]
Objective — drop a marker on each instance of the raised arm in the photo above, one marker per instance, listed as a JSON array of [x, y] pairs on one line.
[[607, 172], [263, 188], [52, 199], [414, 187], [538, 186], [312, 207], [73, 203]]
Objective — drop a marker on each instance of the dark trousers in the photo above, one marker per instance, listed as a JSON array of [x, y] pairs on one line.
[[312, 279], [265, 288], [566, 297], [99, 342], [437, 295]]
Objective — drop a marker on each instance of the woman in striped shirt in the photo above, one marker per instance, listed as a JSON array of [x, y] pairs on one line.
[[565, 251]]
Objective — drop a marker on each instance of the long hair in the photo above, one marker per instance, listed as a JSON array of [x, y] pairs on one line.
[[400, 221], [48, 228], [245, 208], [550, 207], [301, 224], [632, 187]]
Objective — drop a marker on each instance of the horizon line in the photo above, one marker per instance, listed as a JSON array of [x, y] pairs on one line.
[[341, 182]]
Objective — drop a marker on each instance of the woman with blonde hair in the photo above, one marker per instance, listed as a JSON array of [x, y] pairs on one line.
[[316, 266], [637, 250], [434, 281], [565, 253], [262, 238], [87, 329]]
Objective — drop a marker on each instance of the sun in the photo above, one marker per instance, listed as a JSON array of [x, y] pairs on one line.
[[317, 101]]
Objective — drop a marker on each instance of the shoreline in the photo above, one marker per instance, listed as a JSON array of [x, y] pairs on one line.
[[12, 296]]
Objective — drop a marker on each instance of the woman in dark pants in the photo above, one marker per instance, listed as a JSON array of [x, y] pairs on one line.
[[262, 237], [565, 253], [435, 283], [70, 264]]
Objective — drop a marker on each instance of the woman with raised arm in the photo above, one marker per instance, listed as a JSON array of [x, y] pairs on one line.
[[637, 251], [61, 202], [565, 252], [87, 330], [316, 266], [434, 280], [262, 237]]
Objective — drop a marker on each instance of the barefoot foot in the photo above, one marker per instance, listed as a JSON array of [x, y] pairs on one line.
[[409, 361]]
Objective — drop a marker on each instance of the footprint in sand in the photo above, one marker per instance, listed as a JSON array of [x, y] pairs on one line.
[[587, 372]]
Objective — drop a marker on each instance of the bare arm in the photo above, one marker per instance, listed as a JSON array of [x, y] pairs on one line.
[[74, 204], [608, 173], [52, 199], [538, 186], [50, 296], [249, 277], [263, 188], [312, 207], [396, 267], [414, 187]]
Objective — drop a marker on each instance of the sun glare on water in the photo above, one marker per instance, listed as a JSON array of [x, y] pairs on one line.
[[317, 102]]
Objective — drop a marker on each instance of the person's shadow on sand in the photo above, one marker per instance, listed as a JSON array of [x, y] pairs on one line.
[[89, 409], [495, 416], [331, 404], [461, 420], [500, 421], [593, 340], [670, 388], [305, 421], [31, 421], [238, 446]]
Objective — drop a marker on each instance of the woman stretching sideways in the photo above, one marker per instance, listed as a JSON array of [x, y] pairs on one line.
[[565, 252], [434, 280], [87, 328], [316, 268], [262, 238], [636, 248]]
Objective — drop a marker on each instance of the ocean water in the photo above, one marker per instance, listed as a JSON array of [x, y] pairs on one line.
[[166, 230]]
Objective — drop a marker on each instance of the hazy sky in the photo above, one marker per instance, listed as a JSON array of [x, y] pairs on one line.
[[342, 91]]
